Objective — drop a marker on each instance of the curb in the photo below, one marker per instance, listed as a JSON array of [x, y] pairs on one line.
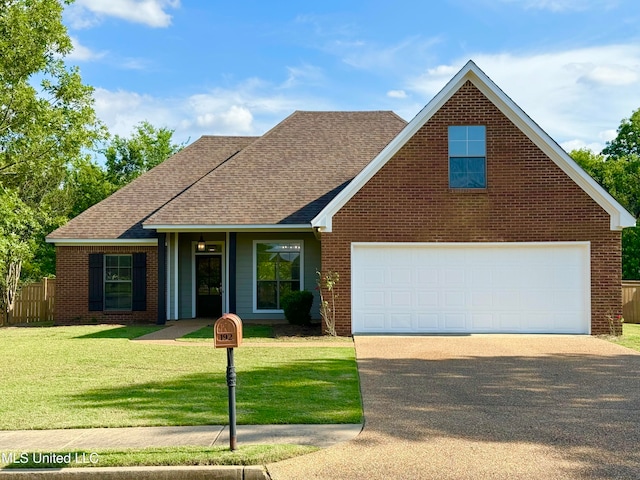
[[141, 473]]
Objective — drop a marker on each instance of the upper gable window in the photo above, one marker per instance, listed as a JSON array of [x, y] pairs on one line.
[[467, 157]]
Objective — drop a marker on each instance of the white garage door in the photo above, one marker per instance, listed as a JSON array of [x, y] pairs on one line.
[[449, 288]]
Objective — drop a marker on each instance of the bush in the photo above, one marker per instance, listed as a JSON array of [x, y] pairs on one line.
[[297, 307]]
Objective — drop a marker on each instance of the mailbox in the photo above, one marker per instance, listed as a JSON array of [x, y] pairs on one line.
[[227, 331]]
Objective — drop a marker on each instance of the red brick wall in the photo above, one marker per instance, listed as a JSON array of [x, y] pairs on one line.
[[72, 286], [527, 199]]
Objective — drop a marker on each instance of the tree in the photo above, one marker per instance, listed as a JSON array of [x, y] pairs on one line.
[[617, 169], [87, 184], [46, 120], [627, 142], [18, 223], [128, 158]]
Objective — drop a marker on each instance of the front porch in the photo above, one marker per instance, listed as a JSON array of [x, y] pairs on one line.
[[202, 274]]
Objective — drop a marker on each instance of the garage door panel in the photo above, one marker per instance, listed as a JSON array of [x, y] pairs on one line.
[[427, 322], [401, 299], [454, 321], [373, 321], [471, 287], [427, 299], [401, 321], [482, 321], [373, 298], [482, 300]]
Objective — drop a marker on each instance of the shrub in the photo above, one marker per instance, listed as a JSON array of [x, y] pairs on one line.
[[297, 307]]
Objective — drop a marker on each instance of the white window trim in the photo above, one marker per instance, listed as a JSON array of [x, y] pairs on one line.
[[104, 282], [467, 156], [254, 289]]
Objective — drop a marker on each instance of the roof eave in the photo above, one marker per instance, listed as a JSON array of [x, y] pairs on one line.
[[67, 242], [305, 227]]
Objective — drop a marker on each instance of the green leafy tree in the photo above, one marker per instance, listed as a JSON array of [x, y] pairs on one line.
[[617, 169], [18, 225], [627, 141], [87, 184], [46, 120], [128, 158]]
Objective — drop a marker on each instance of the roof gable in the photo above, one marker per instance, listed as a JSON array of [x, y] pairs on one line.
[[620, 218]]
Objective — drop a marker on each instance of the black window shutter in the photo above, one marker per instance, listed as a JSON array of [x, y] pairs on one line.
[[139, 282], [96, 282]]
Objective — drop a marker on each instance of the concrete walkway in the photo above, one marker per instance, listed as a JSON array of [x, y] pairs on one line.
[[176, 329], [203, 435]]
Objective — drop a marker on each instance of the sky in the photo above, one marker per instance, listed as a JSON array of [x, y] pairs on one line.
[[209, 67]]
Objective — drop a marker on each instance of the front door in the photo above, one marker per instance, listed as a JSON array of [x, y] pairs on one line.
[[209, 286]]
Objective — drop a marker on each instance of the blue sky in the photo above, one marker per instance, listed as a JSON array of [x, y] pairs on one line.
[[238, 68]]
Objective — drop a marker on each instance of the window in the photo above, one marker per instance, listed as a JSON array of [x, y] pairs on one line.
[[277, 271], [467, 157], [118, 282]]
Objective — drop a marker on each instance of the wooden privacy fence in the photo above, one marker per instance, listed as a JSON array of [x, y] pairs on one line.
[[631, 301], [34, 303]]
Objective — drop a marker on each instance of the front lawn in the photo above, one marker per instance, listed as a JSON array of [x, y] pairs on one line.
[[630, 336], [93, 376]]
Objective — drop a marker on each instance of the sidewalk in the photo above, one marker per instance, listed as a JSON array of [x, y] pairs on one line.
[[203, 435], [66, 441]]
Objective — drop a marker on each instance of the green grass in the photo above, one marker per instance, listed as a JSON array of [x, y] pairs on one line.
[[165, 456], [630, 336], [93, 376]]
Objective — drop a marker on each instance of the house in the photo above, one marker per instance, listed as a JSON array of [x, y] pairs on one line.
[[469, 218]]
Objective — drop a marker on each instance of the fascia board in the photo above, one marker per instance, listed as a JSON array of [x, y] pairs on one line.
[[231, 228], [122, 242]]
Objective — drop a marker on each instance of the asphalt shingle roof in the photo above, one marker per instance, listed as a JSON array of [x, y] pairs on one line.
[[288, 175], [284, 177], [120, 216]]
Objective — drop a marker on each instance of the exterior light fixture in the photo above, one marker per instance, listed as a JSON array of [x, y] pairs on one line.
[[201, 244]]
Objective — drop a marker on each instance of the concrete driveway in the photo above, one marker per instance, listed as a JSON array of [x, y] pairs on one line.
[[488, 407]]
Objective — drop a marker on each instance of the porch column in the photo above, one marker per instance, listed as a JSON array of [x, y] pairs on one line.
[[162, 278], [231, 288]]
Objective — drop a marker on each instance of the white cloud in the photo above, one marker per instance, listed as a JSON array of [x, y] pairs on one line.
[[82, 53], [397, 94], [570, 145], [613, 75], [574, 95], [368, 56], [249, 108], [87, 13], [305, 74], [564, 5]]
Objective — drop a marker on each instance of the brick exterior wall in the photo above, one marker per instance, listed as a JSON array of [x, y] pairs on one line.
[[72, 286], [527, 199]]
